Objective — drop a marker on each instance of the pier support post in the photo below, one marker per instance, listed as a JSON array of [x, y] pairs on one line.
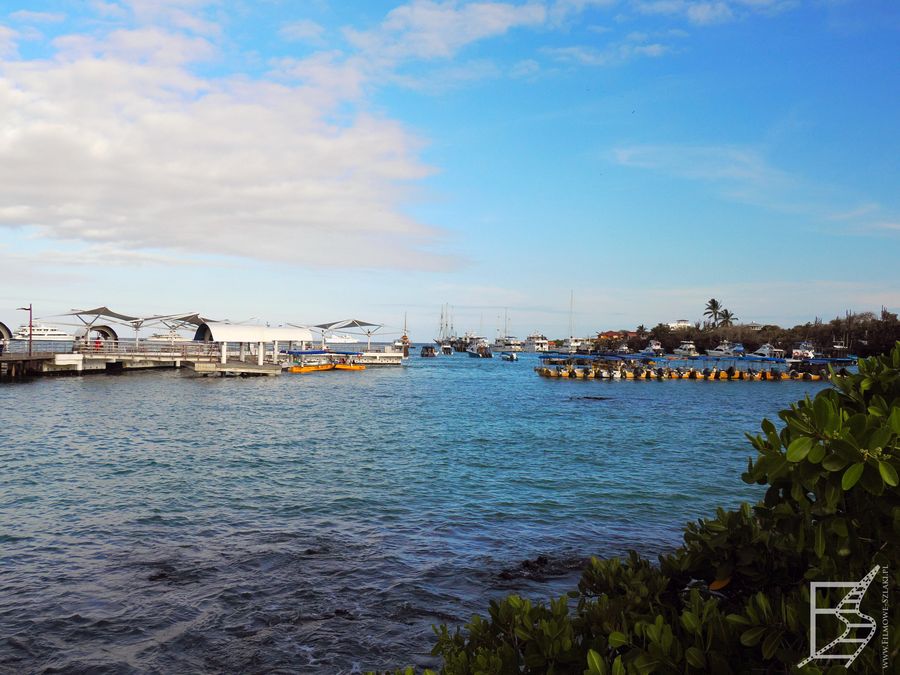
[[224, 357], [243, 351], [275, 352], [260, 353]]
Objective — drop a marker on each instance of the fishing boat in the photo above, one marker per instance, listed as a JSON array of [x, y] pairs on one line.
[[428, 351], [509, 356], [767, 351], [41, 333], [480, 350], [726, 349], [653, 348], [686, 348]]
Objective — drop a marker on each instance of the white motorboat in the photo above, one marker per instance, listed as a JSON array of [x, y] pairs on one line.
[[479, 350], [726, 349], [653, 348], [41, 333], [805, 350], [768, 351], [686, 348], [509, 356]]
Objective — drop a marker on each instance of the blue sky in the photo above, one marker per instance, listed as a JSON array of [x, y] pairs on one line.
[[309, 161]]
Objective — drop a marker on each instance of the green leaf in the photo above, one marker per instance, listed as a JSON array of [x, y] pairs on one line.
[[888, 473], [695, 657], [617, 639], [816, 454], [618, 667], [595, 663], [738, 619], [820, 540], [752, 635], [834, 462], [799, 448], [895, 420], [770, 644], [690, 621], [852, 475]]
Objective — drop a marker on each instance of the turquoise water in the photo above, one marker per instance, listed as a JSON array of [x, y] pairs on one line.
[[323, 522]]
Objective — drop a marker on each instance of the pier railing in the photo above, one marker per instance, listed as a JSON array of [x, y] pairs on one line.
[[152, 350]]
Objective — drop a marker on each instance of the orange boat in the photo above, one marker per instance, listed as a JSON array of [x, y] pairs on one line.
[[312, 368], [348, 366]]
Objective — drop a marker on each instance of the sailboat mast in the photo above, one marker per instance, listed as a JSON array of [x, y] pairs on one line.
[[572, 314]]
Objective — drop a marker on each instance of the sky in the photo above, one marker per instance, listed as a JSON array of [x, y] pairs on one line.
[[308, 161]]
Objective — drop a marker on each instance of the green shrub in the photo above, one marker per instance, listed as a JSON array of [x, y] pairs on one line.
[[735, 597]]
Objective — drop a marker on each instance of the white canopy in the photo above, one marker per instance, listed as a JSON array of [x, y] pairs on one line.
[[214, 331]]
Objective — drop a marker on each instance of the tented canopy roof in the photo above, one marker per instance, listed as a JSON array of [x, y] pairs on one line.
[[214, 331], [347, 323]]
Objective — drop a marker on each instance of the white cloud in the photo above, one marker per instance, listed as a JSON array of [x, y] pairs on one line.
[[132, 151], [8, 45], [616, 53], [424, 29], [703, 13], [27, 16], [302, 31]]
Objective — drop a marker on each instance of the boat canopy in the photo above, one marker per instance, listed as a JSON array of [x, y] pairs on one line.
[[217, 331], [5, 332]]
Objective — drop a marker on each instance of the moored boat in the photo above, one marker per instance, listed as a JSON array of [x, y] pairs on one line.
[[428, 351], [686, 348], [726, 349], [40, 333], [767, 351]]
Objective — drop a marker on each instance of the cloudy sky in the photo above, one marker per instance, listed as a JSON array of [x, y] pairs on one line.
[[307, 161]]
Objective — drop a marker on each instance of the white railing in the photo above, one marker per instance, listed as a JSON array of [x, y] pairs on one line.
[[180, 350]]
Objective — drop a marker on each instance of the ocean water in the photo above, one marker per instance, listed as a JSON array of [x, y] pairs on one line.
[[321, 523]]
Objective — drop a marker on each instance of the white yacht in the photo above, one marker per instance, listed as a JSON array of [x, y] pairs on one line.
[[767, 351], [42, 333], [537, 342], [170, 336], [339, 339], [571, 344], [507, 343], [653, 348], [726, 349], [686, 348], [480, 350]]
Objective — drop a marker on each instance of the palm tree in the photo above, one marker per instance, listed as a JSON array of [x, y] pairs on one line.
[[641, 331], [713, 311], [727, 318]]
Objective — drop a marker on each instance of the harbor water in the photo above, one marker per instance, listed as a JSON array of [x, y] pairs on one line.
[[321, 523]]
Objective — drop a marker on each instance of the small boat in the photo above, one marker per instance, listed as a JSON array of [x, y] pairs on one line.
[[349, 366], [171, 336], [686, 348], [428, 351], [653, 348], [446, 349], [726, 349], [314, 368], [479, 350], [509, 356], [768, 351], [805, 350]]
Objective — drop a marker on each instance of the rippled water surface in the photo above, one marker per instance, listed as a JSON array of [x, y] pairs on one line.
[[322, 523]]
